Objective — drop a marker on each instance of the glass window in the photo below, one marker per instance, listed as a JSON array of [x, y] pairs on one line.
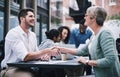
[[29, 3], [38, 32], [38, 29], [59, 5], [16, 3], [43, 3], [44, 27], [41, 28], [1, 24], [112, 2], [13, 21]]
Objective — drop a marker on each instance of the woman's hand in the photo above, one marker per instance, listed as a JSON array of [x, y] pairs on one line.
[[60, 49], [82, 60], [54, 51], [87, 62]]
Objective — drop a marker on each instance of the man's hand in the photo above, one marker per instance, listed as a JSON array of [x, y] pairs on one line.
[[54, 51], [45, 57]]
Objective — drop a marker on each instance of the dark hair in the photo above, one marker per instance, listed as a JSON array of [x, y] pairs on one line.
[[101, 16], [52, 33], [23, 13], [82, 21], [68, 36]]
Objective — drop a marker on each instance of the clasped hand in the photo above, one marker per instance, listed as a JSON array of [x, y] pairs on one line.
[[53, 51]]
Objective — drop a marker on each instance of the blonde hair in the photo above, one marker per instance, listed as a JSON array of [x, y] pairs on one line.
[[99, 13]]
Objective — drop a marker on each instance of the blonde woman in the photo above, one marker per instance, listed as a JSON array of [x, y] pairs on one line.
[[102, 47]]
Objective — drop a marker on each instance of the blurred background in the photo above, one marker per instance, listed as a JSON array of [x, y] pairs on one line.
[[54, 13]]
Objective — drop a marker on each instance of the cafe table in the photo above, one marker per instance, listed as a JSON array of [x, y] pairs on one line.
[[68, 65]]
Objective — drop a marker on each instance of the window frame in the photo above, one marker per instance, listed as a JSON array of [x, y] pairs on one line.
[[112, 2]]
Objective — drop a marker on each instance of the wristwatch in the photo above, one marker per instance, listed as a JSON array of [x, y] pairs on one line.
[[87, 62]]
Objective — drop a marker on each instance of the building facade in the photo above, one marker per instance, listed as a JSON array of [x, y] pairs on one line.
[[9, 10], [74, 11], [112, 6], [56, 8]]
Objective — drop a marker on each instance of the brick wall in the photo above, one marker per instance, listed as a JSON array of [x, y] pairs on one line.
[[111, 9]]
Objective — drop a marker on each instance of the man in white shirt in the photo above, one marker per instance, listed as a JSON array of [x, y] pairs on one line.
[[21, 43]]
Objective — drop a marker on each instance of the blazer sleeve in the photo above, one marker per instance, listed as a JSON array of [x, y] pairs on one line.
[[83, 51], [108, 49]]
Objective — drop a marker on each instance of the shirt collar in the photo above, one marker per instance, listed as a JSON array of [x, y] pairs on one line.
[[22, 31], [79, 30]]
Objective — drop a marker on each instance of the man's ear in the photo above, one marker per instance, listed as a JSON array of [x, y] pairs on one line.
[[21, 18]]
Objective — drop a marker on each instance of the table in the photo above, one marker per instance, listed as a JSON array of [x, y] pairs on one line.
[[47, 64], [71, 65]]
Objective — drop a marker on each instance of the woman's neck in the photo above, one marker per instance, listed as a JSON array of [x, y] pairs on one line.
[[96, 29]]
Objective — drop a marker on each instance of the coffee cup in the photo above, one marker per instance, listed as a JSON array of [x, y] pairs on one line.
[[63, 57]]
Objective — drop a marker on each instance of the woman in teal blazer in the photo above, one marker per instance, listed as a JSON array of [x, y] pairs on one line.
[[101, 48]]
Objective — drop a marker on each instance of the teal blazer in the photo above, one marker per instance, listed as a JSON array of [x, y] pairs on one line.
[[103, 50]]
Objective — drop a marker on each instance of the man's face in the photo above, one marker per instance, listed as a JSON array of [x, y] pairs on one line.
[[82, 28], [30, 19]]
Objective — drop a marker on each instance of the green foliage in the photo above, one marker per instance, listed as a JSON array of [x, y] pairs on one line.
[[55, 20], [117, 17]]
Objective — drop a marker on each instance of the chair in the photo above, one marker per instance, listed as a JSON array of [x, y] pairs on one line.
[[118, 47], [1, 51]]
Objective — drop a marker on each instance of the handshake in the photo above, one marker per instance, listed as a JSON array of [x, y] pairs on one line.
[[52, 52]]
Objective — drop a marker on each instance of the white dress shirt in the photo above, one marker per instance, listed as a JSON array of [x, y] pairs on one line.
[[18, 44]]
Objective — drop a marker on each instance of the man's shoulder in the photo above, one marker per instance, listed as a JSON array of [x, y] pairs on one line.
[[13, 33], [31, 32], [75, 30], [89, 31]]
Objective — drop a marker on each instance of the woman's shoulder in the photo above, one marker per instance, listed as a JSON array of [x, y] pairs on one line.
[[106, 32], [47, 41]]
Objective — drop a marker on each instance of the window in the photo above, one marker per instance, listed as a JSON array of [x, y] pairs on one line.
[[16, 3], [1, 24], [38, 33], [112, 2], [42, 3], [41, 28], [13, 21], [44, 27]]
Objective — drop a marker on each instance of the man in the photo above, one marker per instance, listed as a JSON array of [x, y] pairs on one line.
[[80, 35], [21, 43]]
